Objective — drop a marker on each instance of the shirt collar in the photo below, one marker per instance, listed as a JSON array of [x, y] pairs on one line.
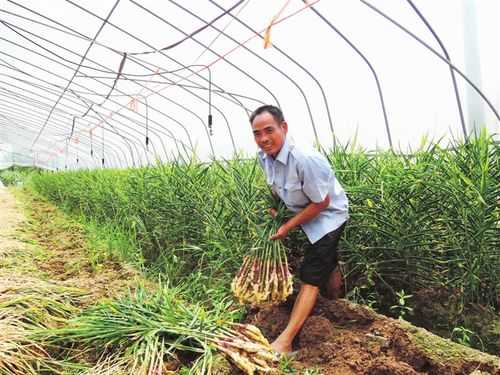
[[282, 156]]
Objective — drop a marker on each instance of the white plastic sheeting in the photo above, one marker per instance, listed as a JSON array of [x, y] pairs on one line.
[[120, 83]]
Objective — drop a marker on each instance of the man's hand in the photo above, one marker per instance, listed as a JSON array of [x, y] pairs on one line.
[[281, 233], [273, 213], [307, 214]]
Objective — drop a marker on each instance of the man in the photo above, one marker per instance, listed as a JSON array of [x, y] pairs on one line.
[[305, 182]]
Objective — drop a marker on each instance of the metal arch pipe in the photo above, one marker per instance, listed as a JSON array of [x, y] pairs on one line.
[[32, 100], [448, 62], [195, 95], [125, 139], [36, 125], [31, 105], [86, 38], [175, 140], [226, 119], [133, 36], [293, 61], [187, 67], [380, 94], [453, 79], [162, 140], [58, 62], [254, 54], [76, 34], [34, 104], [145, 43], [76, 70], [17, 104], [24, 114], [234, 66], [81, 86], [33, 127], [17, 109], [45, 140]]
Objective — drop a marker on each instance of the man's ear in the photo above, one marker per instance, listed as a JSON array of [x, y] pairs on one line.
[[284, 125]]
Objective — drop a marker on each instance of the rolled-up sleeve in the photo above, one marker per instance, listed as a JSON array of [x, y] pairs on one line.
[[317, 177]]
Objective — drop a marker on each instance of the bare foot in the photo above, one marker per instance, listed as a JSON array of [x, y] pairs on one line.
[[281, 346]]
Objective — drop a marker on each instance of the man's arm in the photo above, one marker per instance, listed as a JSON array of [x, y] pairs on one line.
[[307, 214]]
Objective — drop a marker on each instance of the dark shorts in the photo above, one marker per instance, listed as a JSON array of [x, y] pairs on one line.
[[320, 258]]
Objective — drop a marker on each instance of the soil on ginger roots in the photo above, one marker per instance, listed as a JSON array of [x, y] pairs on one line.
[[342, 338]]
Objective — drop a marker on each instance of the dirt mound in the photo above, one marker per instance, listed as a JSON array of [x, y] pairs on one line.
[[342, 338], [316, 329], [271, 320]]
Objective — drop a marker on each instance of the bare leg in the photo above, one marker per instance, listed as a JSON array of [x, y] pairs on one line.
[[334, 284], [301, 309]]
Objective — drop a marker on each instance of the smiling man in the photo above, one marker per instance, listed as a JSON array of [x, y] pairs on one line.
[[305, 182]]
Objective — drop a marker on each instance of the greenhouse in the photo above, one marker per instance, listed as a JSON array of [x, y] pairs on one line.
[[249, 187]]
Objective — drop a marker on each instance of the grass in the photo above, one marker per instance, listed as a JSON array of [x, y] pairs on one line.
[[18, 176], [28, 305], [425, 220], [443, 351], [142, 332], [428, 219]]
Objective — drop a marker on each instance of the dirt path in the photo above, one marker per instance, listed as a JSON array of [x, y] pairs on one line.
[[45, 245], [11, 219]]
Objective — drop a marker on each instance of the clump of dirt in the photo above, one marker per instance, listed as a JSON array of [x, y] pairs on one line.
[[271, 320], [316, 329], [342, 338]]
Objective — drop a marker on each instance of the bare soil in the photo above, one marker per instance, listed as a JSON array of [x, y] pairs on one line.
[[37, 240], [342, 338], [10, 220]]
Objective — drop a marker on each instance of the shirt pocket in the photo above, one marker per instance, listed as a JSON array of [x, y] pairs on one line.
[[294, 195]]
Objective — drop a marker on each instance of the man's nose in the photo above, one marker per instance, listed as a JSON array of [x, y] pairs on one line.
[[264, 138]]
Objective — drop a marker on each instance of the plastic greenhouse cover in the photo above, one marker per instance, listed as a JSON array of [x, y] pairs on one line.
[[118, 83]]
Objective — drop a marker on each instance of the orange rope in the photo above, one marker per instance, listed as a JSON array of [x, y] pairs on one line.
[[308, 5], [267, 33]]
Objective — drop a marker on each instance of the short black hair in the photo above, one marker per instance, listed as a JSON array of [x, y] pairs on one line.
[[272, 110]]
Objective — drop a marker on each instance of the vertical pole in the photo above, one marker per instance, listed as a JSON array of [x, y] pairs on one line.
[[475, 109]]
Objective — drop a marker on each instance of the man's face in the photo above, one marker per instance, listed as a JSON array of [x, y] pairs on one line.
[[268, 133]]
